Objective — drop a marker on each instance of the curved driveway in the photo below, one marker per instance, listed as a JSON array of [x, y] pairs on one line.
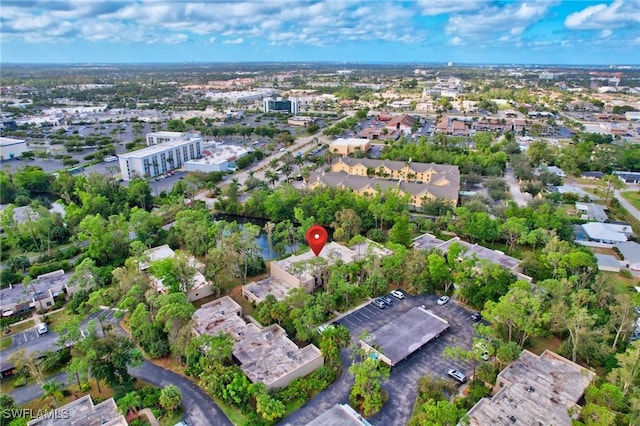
[[199, 408]]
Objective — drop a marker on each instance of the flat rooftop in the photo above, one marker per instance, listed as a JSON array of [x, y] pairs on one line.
[[82, 412], [44, 286], [428, 241], [350, 141], [261, 289], [536, 390], [220, 154], [407, 333], [339, 415], [266, 355], [10, 141]]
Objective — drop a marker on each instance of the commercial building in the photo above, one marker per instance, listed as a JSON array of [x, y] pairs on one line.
[[39, 294], [534, 390], [82, 412], [266, 354], [301, 121], [159, 159], [156, 138], [402, 336], [304, 270], [220, 158], [287, 106], [199, 288], [348, 146], [12, 148], [339, 415]]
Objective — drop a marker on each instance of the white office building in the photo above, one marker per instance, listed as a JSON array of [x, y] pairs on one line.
[[156, 138], [159, 159], [11, 148]]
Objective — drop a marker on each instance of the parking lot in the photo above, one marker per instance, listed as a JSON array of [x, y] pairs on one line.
[[402, 384]]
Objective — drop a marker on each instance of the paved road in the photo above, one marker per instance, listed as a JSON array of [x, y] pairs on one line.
[[520, 198], [199, 408], [627, 205], [402, 384], [28, 393]]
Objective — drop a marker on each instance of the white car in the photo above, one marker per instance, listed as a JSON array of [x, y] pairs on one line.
[[457, 375], [397, 294], [443, 300], [42, 328]]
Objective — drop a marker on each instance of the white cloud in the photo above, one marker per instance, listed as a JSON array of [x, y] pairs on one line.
[[238, 40], [455, 41], [439, 7], [327, 22], [606, 33], [211, 40], [176, 39], [493, 19], [601, 16]]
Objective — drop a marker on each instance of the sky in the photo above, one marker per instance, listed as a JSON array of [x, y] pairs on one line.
[[371, 31]]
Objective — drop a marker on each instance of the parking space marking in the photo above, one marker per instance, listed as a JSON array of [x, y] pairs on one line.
[[365, 315], [25, 336]]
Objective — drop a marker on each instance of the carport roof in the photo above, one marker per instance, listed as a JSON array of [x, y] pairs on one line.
[[339, 414], [407, 333]]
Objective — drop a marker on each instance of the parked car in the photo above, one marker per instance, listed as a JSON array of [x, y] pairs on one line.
[[397, 294], [475, 317], [443, 300], [484, 353], [457, 375], [386, 300], [378, 304], [42, 328]]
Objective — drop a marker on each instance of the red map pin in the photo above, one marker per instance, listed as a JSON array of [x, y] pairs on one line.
[[316, 237]]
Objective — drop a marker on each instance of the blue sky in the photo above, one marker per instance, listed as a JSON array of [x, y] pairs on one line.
[[463, 31]]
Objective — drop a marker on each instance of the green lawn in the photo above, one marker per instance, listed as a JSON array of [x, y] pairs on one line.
[[5, 343], [633, 197]]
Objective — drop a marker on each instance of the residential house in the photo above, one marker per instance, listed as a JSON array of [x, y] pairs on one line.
[[607, 233], [591, 211], [403, 123], [630, 251], [39, 294]]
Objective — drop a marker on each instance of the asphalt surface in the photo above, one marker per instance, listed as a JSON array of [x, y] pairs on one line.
[[402, 384], [627, 205], [31, 341], [199, 408]]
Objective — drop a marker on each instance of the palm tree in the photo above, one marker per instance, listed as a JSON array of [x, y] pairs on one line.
[[272, 177], [287, 170], [274, 163], [54, 390], [130, 402]]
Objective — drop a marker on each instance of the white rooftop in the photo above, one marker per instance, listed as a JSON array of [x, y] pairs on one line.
[[10, 141], [220, 154], [607, 231]]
